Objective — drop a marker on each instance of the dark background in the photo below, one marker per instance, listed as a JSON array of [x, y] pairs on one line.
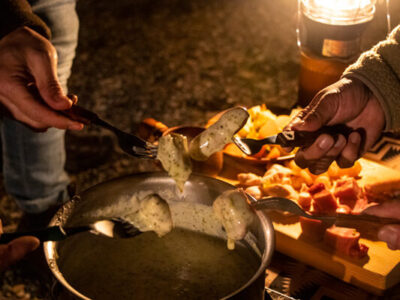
[[179, 62]]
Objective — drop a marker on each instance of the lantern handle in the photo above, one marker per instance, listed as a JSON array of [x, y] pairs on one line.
[[388, 20], [298, 24]]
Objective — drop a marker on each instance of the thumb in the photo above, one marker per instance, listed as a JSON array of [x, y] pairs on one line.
[[321, 111], [386, 209], [311, 122], [17, 249], [44, 70], [391, 235]]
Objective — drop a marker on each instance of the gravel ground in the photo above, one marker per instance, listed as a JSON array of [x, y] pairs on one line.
[[177, 61]]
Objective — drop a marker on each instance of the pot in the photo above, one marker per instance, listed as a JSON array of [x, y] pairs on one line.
[[111, 199]]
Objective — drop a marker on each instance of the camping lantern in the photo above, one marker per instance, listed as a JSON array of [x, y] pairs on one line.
[[329, 38]]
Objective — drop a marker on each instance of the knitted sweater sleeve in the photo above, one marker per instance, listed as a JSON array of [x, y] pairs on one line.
[[379, 69], [17, 13]]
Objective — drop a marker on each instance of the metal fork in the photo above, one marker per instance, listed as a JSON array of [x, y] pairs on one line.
[[340, 219], [129, 143], [290, 138], [112, 228]]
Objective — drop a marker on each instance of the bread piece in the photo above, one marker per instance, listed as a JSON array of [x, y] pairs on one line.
[[380, 183], [235, 215], [174, 157], [215, 137]]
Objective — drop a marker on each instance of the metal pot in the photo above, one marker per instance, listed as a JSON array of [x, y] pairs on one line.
[[95, 203]]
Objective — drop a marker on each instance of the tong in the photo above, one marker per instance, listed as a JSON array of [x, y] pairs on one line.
[[129, 143], [339, 219], [290, 138]]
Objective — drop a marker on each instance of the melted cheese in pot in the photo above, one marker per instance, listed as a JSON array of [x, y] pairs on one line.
[[232, 210], [215, 137], [153, 215], [174, 157]]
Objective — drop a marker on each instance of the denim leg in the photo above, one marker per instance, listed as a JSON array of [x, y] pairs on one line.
[[33, 163]]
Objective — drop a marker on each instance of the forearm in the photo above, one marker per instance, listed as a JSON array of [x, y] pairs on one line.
[[17, 13], [379, 69]]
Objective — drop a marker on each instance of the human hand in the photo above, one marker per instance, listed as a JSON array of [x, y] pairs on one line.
[[348, 102], [388, 233], [27, 58], [16, 249]]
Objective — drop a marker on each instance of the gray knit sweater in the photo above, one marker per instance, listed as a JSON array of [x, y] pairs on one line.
[[379, 69]]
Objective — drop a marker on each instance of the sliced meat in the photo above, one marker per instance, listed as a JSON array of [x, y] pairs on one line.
[[313, 230], [348, 192], [362, 204], [305, 200], [316, 188], [345, 241], [324, 202]]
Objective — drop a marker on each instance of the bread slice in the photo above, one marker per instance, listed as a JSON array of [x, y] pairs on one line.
[[381, 183]]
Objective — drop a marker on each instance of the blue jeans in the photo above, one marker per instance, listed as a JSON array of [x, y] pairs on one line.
[[33, 163]]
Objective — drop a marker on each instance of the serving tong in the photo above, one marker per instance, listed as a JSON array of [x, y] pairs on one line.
[[129, 143], [339, 219]]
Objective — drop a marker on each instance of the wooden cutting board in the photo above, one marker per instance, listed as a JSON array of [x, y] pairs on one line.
[[375, 273]]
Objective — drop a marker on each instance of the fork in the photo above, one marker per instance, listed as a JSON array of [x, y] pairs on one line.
[[340, 219], [291, 138], [129, 143], [112, 228]]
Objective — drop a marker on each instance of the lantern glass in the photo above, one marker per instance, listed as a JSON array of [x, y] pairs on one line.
[[329, 38], [339, 12]]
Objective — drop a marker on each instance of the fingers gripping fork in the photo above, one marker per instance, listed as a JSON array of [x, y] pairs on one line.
[[129, 143]]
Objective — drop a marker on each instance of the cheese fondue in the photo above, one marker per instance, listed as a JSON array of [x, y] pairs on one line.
[[153, 215], [232, 210], [174, 157], [215, 137]]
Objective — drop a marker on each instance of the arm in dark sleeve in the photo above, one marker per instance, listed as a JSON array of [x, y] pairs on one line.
[[17, 13], [379, 69]]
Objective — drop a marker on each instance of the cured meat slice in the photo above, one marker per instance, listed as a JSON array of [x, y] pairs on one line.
[[305, 200], [312, 229], [345, 241], [316, 188], [350, 194], [324, 202], [361, 204], [348, 191]]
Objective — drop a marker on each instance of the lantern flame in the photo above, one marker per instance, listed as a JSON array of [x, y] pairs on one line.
[[339, 12]]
